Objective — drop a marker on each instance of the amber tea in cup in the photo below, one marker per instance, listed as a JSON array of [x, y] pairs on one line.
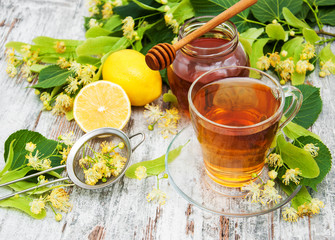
[[236, 120]]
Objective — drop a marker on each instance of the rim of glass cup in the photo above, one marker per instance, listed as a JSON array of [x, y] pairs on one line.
[[279, 110], [227, 214]]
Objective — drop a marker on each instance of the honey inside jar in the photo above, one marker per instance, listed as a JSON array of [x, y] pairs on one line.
[[217, 48]]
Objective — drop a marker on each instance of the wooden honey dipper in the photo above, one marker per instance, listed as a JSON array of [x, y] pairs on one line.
[[162, 55]]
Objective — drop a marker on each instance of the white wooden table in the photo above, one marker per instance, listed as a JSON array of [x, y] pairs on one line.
[[121, 211]]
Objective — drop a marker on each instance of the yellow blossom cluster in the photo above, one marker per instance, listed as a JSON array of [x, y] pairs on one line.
[[104, 164], [157, 195], [58, 198], [128, 28], [63, 104], [167, 121], [327, 68], [285, 66], [141, 172], [27, 59], [312, 149], [274, 160], [94, 23], [172, 22], [307, 209], [65, 152], [37, 162], [60, 47], [292, 175], [311, 207], [267, 195], [106, 7], [83, 74], [67, 138]]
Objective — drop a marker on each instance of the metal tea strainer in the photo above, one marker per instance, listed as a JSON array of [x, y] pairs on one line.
[[84, 145]]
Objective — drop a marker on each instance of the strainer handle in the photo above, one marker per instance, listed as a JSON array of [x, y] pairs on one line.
[[141, 141], [33, 188]]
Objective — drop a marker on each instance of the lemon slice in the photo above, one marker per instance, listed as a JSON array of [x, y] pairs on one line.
[[101, 104]]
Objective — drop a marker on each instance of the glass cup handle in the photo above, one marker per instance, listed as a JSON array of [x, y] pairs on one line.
[[294, 106]]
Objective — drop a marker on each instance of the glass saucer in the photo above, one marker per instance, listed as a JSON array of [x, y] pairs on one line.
[[188, 176]]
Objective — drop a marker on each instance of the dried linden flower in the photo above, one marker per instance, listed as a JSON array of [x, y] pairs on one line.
[[141, 172], [292, 175], [290, 214], [312, 149], [254, 191], [157, 195], [37, 205], [30, 147]]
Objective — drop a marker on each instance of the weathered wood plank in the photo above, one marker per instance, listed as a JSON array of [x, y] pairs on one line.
[[121, 211]]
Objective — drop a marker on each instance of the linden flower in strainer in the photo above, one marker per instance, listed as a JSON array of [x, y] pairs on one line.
[[103, 164]]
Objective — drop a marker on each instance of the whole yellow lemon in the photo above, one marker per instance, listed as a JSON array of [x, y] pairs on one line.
[[128, 69]]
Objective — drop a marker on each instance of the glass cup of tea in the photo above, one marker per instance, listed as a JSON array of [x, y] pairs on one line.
[[236, 112]]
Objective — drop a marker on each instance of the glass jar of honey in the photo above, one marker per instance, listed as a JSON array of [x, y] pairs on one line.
[[218, 48]]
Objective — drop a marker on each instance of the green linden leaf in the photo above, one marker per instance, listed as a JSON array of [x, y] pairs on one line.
[[36, 68], [215, 7], [144, 6], [49, 59], [293, 20], [275, 31], [183, 11], [97, 46], [15, 174], [112, 23], [164, 76], [156, 166], [22, 204], [324, 160], [246, 45], [302, 197], [52, 76], [9, 160], [96, 32], [122, 43], [324, 2], [327, 16], [134, 10], [268, 10], [50, 42], [16, 45], [248, 37], [311, 106], [291, 45], [140, 32], [310, 35], [240, 20], [326, 54], [298, 78], [257, 51], [45, 147], [158, 34], [22, 185], [295, 157], [294, 131], [305, 10], [252, 34], [170, 97], [88, 60]]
